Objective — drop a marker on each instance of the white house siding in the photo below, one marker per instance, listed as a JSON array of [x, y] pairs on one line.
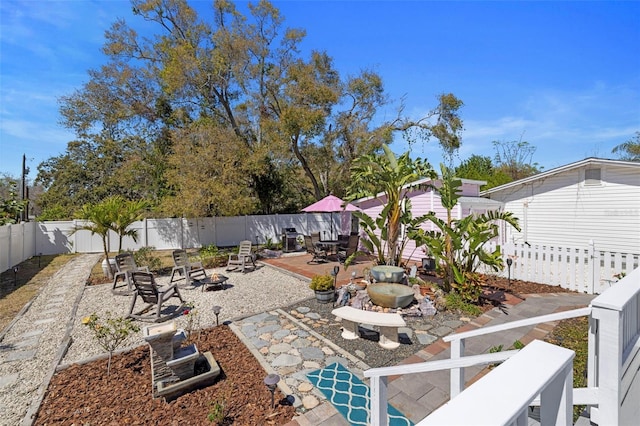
[[560, 210]]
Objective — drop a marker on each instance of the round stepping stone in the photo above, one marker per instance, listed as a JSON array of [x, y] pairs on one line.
[[303, 309], [305, 387], [309, 402]]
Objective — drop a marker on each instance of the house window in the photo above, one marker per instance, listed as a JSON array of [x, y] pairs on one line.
[[593, 177]]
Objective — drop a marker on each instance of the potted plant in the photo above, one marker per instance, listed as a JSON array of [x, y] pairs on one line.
[[323, 287]]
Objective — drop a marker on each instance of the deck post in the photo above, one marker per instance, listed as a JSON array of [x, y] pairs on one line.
[[378, 400], [457, 374]]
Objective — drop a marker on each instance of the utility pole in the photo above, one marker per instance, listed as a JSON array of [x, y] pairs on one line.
[[24, 215]]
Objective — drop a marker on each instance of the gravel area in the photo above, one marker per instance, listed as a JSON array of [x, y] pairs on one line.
[[31, 347], [243, 295], [419, 332]]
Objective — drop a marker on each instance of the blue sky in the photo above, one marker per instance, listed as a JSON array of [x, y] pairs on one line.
[[564, 76]]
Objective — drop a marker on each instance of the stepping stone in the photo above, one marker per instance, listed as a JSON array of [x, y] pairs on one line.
[[280, 348], [301, 343], [8, 379], [267, 329], [31, 334], [21, 355], [301, 333], [258, 343], [303, 309], [442, 331], [280, 334], [311, 353], [249, 330], [310, 401], [313, 316], [286, 360], [27, 343], [426, 339]]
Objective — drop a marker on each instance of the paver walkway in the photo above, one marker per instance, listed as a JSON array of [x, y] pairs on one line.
[[34, 342]]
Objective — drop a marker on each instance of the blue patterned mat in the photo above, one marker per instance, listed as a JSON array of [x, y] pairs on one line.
[[349, 395]]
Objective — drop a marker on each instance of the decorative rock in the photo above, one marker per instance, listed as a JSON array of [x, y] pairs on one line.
[[303, 309], [265, 336], [290, 338], [465, 319], [301, 333], [305, 387], [442, 331], [264, 351], [327, 351], [309, 402], [313, 315], [360, 354], [311, 364]]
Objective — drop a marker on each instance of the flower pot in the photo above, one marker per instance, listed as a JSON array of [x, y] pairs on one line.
[[112, 263], [427, 291], [326, 296]]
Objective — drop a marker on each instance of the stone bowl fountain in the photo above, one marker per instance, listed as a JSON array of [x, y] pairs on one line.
[[387, 292], [387, 274], [390, 295]]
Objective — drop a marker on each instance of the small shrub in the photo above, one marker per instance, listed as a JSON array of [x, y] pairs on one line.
[[455, 302], [193, 323], [110, 332], [470, 290], [217, 413], [212, 257], [321, 283], [518, 345], [145, 257]]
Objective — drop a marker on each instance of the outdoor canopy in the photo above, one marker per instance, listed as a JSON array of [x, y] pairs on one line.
[[330, 204]]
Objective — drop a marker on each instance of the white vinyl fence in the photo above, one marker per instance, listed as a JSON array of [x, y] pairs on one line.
[[586, 270], [21, 241]]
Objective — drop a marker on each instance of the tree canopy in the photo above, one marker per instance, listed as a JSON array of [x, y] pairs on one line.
[[221, 115]]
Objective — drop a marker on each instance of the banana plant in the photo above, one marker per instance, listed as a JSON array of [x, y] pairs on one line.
[[458, 245]]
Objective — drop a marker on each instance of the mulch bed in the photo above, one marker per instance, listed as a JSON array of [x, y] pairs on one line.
[[83, 394]]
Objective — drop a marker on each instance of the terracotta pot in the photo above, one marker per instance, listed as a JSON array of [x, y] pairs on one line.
[[427, 291]]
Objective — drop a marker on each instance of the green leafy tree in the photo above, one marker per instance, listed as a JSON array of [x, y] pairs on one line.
[[515, 158], [629, 150], [459, 244], [387, 175], [11, 207], [478, 167]]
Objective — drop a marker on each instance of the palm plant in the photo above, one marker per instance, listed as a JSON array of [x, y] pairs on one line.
[[385, 174], [127, 213], [459, 245], [98, 220]]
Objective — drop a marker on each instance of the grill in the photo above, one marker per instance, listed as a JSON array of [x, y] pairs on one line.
[[289, 239]]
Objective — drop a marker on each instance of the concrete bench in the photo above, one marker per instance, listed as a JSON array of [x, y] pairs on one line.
[[388, 324]]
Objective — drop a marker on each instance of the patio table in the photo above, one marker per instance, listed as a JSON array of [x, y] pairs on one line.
[[330, 245]]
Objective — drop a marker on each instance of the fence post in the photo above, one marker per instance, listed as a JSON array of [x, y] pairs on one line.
[[592, 270]]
